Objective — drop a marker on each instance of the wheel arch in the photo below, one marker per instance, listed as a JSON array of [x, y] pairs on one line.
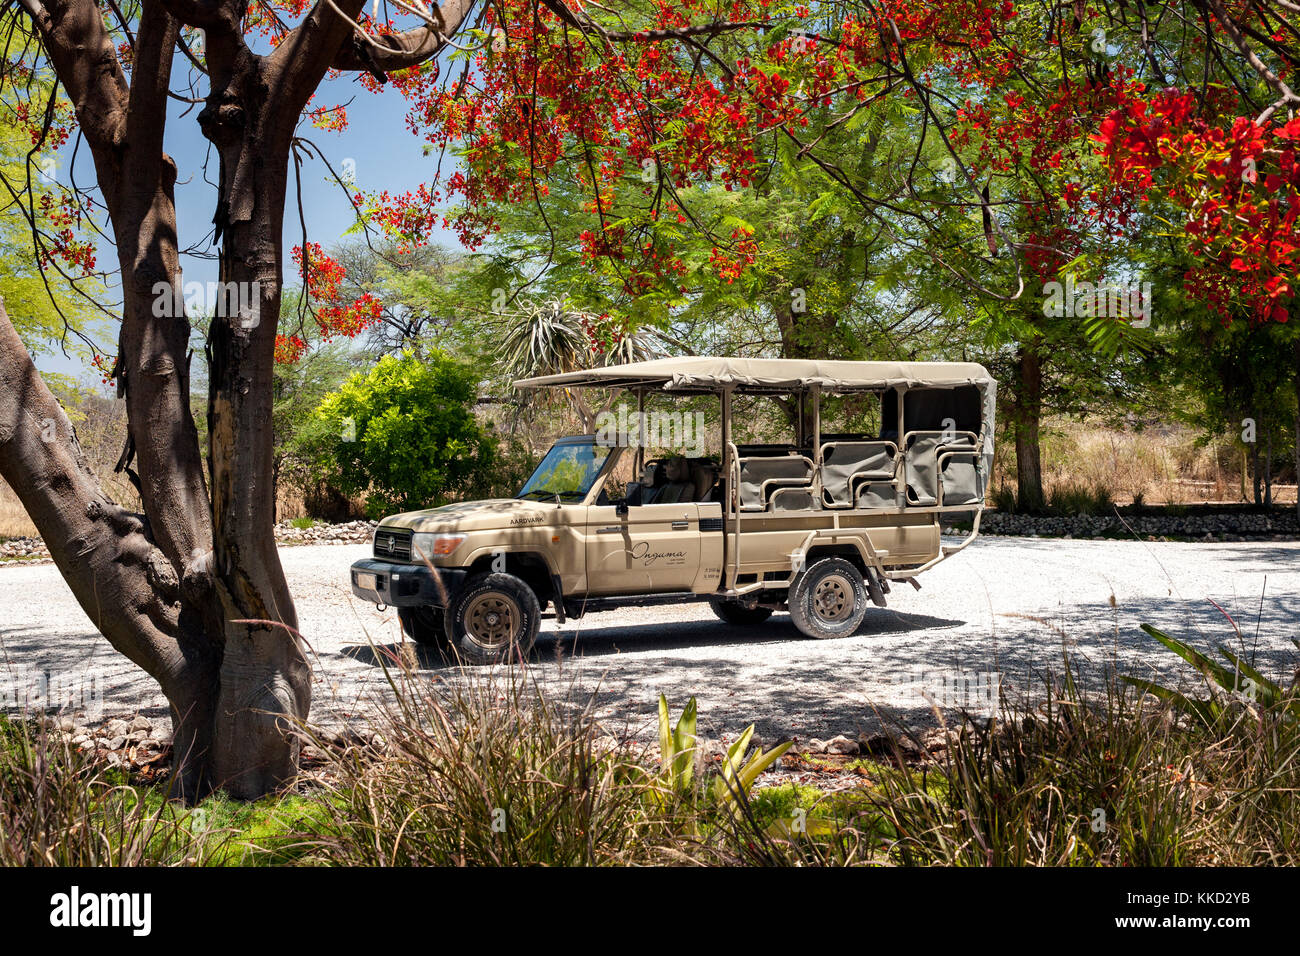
[[531, 567]]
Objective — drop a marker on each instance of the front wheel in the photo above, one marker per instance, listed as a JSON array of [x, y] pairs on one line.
[[424, 625], [733, 612], [494, 617], [828, 599]]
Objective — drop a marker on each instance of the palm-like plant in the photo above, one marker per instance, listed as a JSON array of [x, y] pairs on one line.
[[550, 338], [547, 338]]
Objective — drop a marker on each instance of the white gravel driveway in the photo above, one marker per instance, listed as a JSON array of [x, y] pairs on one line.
[[1005, 605]]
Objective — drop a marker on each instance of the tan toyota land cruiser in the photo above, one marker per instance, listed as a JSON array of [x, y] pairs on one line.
[[819, 526]]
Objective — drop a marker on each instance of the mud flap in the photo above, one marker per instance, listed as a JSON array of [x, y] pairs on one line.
[[874, 589]]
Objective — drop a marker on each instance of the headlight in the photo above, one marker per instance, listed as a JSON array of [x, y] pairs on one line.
[[434, 545]]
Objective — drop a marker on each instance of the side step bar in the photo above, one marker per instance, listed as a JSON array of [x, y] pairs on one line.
[[576, 607]]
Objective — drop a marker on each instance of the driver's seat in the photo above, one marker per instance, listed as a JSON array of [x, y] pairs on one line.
[[678, 487]]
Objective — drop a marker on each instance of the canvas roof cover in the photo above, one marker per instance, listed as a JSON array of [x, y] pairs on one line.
[[704, 374]]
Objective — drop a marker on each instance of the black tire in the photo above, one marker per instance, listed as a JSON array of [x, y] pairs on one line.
[[733, 612], [828, 599], [424, 625], [493, 618]]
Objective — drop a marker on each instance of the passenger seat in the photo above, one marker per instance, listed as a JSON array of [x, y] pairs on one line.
[[704, 475]]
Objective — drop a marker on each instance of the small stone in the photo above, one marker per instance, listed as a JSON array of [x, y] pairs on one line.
[[141, 723], [816, 746], [115, 743], [842, 745]]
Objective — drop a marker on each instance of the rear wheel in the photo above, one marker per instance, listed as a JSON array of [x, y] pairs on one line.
[[733, 612], [828, 599], [424, 625], [495, 617]]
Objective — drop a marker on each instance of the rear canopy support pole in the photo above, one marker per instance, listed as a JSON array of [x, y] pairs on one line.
[[639, 458], [816, 395], [730, 516]]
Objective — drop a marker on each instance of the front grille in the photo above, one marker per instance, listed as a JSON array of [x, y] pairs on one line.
[[393, 543]]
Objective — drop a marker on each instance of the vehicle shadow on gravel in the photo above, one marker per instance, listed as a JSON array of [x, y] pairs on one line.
[[575, 640], [596, 641]]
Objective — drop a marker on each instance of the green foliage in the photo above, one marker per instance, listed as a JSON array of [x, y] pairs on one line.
[[44, 310], [493, 771], [303, 451], [513, 465], [677, 748], [404, 433], [739, 770], [62, 807], [1078, 499], [1234, 688], [494, 774]]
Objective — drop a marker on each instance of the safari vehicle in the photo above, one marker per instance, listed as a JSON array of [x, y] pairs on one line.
[[820, 525]]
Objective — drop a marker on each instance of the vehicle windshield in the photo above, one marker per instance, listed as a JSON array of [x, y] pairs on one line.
[[568, 471]]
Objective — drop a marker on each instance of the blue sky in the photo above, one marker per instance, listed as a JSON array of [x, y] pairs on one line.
[[387, 155]]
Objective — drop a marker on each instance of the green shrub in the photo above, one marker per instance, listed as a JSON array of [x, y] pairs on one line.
[[1004, 499], [404, 433], [494, 773], [1080, 499], [62, 807]]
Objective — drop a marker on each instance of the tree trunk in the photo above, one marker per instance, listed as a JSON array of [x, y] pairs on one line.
[[1254, 466], [804, 335], [1268, 470], [1028, 411], [117, 573], [265, 679]]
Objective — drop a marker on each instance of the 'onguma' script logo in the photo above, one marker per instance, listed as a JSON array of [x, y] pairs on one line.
[[641, 552]]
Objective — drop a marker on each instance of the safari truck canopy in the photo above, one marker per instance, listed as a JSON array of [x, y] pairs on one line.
[[757, 376]]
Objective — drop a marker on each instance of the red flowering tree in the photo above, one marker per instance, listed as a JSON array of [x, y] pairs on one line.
[[1215, 150]]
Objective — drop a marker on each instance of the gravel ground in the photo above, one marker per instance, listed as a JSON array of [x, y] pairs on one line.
[[1005, 605]]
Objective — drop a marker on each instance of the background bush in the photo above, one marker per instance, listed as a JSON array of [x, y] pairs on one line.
[[404, 433]]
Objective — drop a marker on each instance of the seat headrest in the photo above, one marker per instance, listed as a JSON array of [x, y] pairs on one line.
[[703, 475], [652, 475], [676, 469]]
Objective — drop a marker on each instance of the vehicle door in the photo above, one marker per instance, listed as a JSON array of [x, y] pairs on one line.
[[649, 549]]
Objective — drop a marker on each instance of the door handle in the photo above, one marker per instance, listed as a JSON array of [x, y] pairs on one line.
[[617, 529], [681, 525]]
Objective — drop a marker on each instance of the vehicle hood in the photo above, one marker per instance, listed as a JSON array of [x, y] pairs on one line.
[[489, 515]]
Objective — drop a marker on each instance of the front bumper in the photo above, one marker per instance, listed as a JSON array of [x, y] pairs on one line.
[[406, 585]]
